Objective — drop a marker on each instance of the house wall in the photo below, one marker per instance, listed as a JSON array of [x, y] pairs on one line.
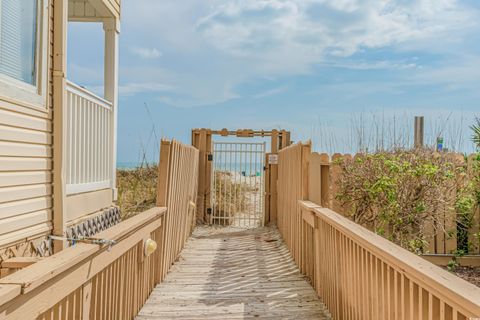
[[26, 164]]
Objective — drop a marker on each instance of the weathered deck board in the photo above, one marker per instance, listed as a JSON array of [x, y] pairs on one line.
[[226, 273]]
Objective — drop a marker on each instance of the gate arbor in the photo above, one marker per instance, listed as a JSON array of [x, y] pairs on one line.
[[237, 180]]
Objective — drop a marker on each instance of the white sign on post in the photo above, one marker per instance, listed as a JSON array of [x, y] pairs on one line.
[[273, 159]]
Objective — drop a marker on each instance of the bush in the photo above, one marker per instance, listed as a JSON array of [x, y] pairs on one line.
[[406, 195]]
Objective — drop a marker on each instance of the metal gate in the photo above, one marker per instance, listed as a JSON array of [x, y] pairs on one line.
[[238, 184]]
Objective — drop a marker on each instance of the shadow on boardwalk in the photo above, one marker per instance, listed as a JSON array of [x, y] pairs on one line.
[[230, 273]]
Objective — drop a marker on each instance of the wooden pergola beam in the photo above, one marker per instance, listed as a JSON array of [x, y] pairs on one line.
[[248, 133]]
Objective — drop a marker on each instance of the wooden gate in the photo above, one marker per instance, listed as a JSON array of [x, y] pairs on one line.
[[238, 184], [220, 213]]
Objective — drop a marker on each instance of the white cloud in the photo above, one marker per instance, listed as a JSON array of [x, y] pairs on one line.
[[293, 34], [213, 47], [146, 53]]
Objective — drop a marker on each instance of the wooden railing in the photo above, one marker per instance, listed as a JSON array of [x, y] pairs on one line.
[[89, 141], [357, 273], [90, 281]]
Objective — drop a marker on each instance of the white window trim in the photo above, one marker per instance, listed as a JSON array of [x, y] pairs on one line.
[[22, 92]]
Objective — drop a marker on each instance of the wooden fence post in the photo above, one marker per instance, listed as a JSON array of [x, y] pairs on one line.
[[315, 178], [335, 172], [450, 215], [274, 146], [163, 165], [419, 132], [201, 175], [475, 229], [208, 174], [162, 197], [325, 180], [268, 198], [306, 153], [202, 140]]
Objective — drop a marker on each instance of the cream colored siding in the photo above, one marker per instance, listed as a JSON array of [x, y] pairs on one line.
[[81, 9], [25, 176], [26, 164], [82, 204], [84, 10]]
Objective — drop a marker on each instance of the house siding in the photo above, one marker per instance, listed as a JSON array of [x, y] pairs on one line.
[[26, 165]]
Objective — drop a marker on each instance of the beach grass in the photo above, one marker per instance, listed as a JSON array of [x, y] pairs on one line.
[[137, 189]]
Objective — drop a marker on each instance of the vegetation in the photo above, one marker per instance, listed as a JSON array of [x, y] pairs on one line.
[[476, 133], [407, 196], [137, 189], [230, 195]]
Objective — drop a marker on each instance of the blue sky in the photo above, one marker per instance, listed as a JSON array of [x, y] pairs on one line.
[[339, 72]]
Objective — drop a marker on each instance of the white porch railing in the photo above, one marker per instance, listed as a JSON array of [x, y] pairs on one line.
[[89, 141]]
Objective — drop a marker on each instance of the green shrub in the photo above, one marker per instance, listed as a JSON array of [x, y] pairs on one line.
[[406, 196]]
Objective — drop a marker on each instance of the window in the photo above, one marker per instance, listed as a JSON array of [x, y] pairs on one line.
[[18, 39]]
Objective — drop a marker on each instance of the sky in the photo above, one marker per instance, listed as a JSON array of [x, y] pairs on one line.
[[339, 72]]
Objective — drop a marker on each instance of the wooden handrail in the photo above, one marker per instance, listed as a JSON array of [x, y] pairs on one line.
[[39, 273], [452, 291], [47, 282]]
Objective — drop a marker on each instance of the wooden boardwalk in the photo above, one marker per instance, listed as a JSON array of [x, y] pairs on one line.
[[226, 273]]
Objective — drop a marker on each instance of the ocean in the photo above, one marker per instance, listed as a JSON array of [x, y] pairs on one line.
[[246, 168]]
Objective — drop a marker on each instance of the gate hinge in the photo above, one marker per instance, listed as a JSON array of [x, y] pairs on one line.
[[210, 157]]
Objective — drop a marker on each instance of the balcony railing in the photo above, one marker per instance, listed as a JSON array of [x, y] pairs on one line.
[[89, 141]]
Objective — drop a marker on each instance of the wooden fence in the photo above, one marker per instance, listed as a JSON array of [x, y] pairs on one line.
[[89, 281], [325, 172], [177, 190], [292, 186], [357, 273]]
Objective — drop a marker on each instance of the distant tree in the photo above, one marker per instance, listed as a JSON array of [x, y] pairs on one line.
[[476, 132]]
